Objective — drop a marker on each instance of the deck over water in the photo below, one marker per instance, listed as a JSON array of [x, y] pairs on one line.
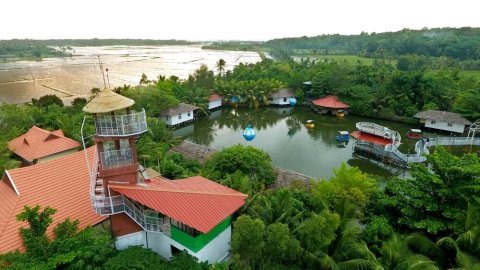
[[378, 140], [362, 136], [202, 153]]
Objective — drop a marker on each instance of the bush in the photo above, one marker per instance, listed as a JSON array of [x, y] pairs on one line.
[[47, 100], [251, 161]]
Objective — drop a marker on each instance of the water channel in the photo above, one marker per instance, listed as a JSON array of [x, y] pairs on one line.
[[281, 132]]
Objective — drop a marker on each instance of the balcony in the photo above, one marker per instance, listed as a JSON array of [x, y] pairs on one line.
[[116, 158], [121, 125], [147, 219]]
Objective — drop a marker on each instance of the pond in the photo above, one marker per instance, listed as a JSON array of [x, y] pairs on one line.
[[281, 132]]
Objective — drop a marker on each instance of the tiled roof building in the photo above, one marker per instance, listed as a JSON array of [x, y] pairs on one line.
[[63, 184], [38, 144]]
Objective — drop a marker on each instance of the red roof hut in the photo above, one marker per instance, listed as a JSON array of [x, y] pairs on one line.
[[329, 104]]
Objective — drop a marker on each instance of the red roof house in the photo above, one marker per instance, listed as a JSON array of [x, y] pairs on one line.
[[195, 201], [63, 184], [214, 97], [39, 144], [330, 102], [214, 101]]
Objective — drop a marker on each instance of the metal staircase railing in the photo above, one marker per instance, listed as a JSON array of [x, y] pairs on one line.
[[121, 125], [147, 219]]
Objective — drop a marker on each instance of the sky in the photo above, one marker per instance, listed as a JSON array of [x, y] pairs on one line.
[[226, 19]]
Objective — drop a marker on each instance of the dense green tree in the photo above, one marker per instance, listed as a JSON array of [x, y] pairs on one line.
[[47, 100], [248, 240], [6, 159], [135, 258], [277, 206], [348, 187], [202, 78], [249, 160], [175, 166], [430, 202]]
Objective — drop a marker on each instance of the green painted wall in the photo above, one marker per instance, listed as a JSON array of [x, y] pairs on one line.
[[197, 243]]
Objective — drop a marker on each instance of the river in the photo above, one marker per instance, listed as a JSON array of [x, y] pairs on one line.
[[71, 77], [281, 132]]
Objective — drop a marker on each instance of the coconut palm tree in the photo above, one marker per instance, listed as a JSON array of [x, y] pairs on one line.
[[220, 65], [466, 247], [396, 255], [347, 251]]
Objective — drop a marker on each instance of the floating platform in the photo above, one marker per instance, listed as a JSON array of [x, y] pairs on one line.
[[366, 137]]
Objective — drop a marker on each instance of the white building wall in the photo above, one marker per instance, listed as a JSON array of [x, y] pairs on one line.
[[217, 249], [160, 243], [175, 120], [214, 104], [133, 239], [455, 127], [281, 101], [213, 252]]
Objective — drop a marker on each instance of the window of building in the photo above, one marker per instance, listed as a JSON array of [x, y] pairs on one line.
[[284, 99], [188, 113], [449, 124], [179, 116], [433, 122], [184, 228]]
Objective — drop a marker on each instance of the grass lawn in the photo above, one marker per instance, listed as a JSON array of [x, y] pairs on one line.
[[352, 59]]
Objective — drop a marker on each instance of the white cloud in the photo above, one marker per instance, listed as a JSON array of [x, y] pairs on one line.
[[215, 19]]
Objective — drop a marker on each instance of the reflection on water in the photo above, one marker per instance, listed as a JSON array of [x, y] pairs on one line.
[[281, 132], [71, 77]]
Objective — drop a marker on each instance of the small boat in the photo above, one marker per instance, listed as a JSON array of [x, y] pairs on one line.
[[414, 134], [342, 136], [340, 113], [309, 124]]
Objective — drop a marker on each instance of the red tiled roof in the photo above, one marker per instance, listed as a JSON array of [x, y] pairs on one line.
[[38, 143], [214, 97], [195, 201], [330, 102], [63, 184]]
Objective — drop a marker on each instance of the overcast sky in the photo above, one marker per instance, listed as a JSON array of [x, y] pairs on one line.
[[226, 19]]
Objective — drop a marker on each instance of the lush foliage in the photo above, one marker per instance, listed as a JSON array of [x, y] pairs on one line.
[[460, 43], [253, 162]]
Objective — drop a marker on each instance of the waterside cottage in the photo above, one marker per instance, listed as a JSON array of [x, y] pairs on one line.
[[281, 97], [441, 120], [214, 101], [183, 113]]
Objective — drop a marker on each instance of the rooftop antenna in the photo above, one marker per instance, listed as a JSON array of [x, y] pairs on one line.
[[108, 79], [103, 74]]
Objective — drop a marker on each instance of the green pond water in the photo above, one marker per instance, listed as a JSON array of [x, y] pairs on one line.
[[281, 132]]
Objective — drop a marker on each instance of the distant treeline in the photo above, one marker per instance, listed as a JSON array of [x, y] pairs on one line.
[[457, 43], [29, 48]]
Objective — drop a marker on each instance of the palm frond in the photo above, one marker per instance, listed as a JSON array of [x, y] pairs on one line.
[[358, 264]]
